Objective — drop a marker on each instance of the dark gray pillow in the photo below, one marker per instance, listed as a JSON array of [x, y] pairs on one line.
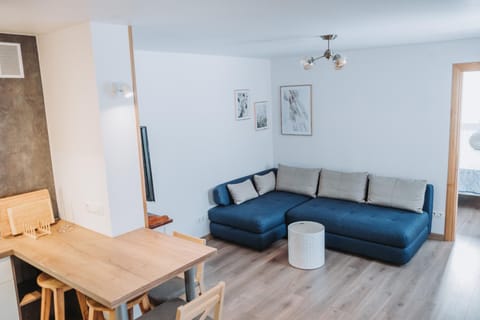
[[398, 193], [350, 186], [297, 180]]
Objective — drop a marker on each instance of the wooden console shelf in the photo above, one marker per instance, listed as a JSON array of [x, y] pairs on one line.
[[155, 221]]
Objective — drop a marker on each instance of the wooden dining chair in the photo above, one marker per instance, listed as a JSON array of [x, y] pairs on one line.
[[53, 287], [96, 309], [210, 303], [175, 287]]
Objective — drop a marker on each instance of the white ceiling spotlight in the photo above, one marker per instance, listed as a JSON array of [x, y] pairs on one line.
[[338, 60]]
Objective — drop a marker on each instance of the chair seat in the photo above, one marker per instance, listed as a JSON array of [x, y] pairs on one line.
[[166, 311], [169, 290], [48, 282]]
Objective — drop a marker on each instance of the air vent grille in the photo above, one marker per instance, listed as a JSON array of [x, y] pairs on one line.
[[11, 65]]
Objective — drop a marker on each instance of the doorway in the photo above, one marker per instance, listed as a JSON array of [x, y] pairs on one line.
[[462, 77]]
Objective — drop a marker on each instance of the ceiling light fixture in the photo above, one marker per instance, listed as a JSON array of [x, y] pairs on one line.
[[338, 60]]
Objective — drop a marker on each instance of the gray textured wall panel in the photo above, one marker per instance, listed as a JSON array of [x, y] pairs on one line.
[[25, 163]]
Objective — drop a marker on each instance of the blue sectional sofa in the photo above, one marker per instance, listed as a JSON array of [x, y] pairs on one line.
[[384, 233]]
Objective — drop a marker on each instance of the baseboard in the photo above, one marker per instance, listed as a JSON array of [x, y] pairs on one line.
[[432, 236], [208, 237], [436, 236]]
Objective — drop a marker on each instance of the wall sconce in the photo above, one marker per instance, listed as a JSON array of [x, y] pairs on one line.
[[121, 89]]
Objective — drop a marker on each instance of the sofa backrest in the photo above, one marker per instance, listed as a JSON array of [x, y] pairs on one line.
[[221, 196]]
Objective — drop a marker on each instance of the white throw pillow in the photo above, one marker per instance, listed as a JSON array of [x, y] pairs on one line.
[[297, 180], [242, 191], [398, 193], [350, 186], [264, 183]]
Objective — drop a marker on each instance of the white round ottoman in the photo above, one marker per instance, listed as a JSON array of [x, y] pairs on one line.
[[306, 244]]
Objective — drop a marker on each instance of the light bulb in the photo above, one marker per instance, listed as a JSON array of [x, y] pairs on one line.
[[308, 63], [339, 61]]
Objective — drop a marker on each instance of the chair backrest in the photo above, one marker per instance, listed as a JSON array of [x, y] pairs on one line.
[[200, 266], [204, 305]]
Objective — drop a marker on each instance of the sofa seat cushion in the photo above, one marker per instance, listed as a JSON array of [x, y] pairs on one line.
[[257, 215], [389, 226], [257, 241]]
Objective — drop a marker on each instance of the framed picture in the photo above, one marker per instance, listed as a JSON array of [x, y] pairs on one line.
[[296, 110], [242, 104], [261, 115]]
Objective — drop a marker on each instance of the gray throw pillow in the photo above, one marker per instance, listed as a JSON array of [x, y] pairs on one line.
[[242, 191], [398, 193], [297, 180], [264, 183], [350, 186]]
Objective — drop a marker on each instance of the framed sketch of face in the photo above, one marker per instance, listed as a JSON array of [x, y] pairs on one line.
[[242, 104], [261, 115]]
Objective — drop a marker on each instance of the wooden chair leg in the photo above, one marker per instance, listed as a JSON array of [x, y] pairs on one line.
[[130, 314], [45, 304], [82, 302], [145, 305], [201, 287], [97, 315], [59, 304], [111, 315], [91, 314]]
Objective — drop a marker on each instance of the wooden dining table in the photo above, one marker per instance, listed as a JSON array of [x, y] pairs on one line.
[[110, 270]]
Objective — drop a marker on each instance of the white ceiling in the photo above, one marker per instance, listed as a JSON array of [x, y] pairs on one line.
[[262, 28]]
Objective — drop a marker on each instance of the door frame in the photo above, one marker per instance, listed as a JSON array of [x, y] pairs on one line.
[[137, 120], [451, 205]]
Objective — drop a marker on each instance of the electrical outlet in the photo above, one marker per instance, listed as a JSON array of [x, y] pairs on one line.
[[438, 214], [94, 208]]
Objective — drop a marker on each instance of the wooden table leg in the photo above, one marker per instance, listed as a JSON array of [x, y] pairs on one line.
[[121, 312], [190, 284]]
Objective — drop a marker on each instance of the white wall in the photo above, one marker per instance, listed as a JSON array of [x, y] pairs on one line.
[[387, 112], [92, 134], [73, 119], [111, 50], [187, 103]]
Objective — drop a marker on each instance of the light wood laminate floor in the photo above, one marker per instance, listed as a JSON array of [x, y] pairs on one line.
[[441, 282]]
